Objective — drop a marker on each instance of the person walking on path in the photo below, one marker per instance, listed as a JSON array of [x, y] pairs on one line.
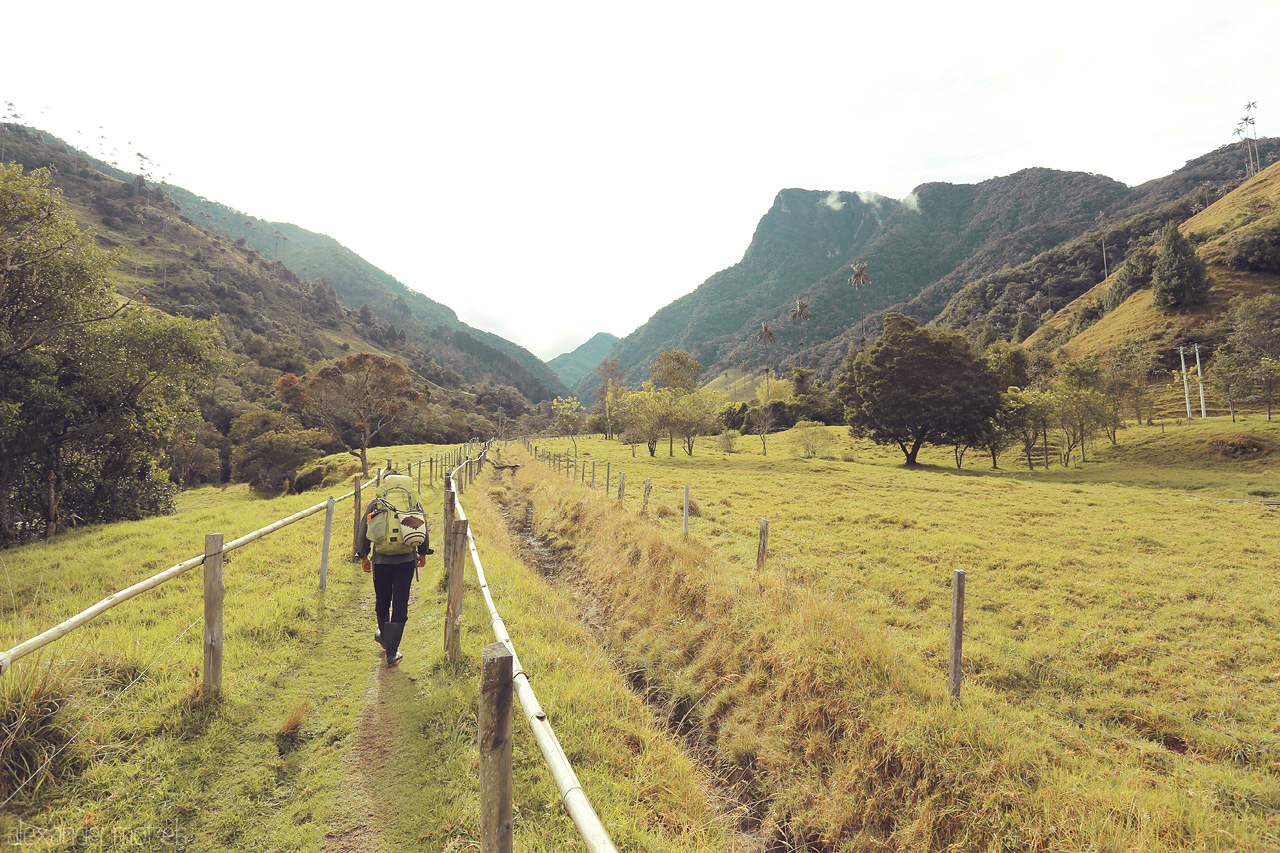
[[392, 572]]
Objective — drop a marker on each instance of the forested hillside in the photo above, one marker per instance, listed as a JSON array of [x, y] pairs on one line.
[[475, 354], [572, 366], [78, 439], [976, 257]]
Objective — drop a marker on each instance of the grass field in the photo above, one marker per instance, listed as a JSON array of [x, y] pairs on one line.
[[1121, 621], [1121, 689], [315, 745]]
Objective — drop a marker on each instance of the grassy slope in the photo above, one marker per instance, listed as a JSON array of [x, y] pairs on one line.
[[383, 760], [1137, 320], [825, 677]]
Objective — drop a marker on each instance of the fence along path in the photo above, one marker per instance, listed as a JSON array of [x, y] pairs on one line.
[[956, 628], [572, 796], [8, 658]]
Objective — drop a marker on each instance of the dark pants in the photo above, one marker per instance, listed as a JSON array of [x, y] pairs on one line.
[[391, 592]]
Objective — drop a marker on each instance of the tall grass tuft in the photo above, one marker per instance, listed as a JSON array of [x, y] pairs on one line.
[[36, 731]]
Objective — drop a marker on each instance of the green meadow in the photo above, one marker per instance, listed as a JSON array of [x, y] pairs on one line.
[[314, 745], [1120, 633], [1120, 688]]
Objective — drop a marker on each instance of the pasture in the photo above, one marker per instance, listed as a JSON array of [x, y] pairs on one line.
[[1120, 690], [1120, 685]]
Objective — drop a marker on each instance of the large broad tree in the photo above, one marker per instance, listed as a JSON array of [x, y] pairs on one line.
[[697, 414], [675, 372], [93, 393], [646, 414], [916, 385], [355, 400]]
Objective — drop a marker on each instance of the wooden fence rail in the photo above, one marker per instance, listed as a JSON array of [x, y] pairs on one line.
[[572, 796], [57, 632]]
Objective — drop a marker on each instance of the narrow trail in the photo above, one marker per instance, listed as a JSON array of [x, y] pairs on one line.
[[720, 786], [358, 828]]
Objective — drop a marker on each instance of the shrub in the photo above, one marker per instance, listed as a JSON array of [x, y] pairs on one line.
[[812, 439], [729, 440]]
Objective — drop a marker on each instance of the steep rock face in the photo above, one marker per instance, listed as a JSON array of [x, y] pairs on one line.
[[804, 236], [805, 245]]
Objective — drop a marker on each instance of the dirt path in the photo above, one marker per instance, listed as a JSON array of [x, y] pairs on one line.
[[358, 828]]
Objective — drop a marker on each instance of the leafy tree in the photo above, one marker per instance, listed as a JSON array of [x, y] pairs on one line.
[[92, 396], [270, 447], [675, 369], [1079, 405], [1010, 363], [762, 419], [1025, 413], [1231, 377], [677, 372], [197, 456], [355, 400], [1135, 274], [1127, 374], [646, 414], [1025, 328], [697, 414], [570, 418], [728, 440], [1179, 279], [1255, 325], [915, 385], [1267, 377]]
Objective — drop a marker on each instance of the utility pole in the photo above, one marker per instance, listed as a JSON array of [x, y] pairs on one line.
[[1186, 389], [1200, 382]]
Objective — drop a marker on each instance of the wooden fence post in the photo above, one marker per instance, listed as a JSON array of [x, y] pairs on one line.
[[495, 749], [355, 527], [686, 512], [214, 594], [644, 504], [593, 474], [419, 476], [607, 467], [622, 485], [449, 512], [324, 550], [763, 547], [957, 632], [453, 611]]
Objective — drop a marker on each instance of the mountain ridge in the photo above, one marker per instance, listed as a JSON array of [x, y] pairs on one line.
[[922, 252]]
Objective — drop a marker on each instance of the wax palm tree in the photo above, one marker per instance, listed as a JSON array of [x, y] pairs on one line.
[[801, 314], [766, 337], [859, 279]]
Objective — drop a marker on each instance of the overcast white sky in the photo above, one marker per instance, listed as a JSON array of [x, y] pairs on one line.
[[552, 170]]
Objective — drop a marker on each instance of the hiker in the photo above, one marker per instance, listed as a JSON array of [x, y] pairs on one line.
[[383, 550]]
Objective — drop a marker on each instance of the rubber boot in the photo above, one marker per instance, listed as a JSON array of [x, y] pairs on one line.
[[377, 635], [391, 641]]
